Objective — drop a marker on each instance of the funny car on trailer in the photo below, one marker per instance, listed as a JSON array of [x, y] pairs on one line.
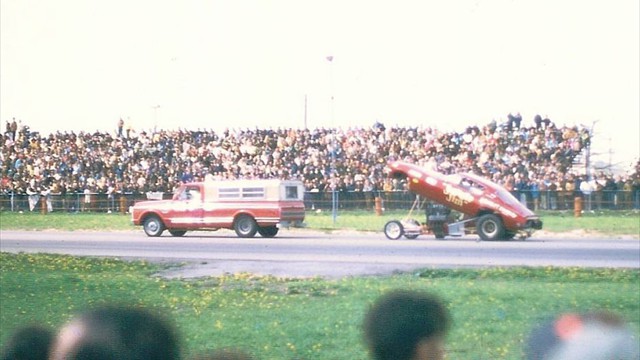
[[488, 209]]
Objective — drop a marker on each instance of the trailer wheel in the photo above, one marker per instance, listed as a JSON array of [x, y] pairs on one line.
[[393, 230], [245, 226], [153, 226], [490, 227], [268, 231]]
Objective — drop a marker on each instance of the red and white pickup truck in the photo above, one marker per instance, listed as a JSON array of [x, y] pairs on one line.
[[246, 206]]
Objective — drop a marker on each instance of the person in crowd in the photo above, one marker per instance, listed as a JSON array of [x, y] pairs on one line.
[[120, 128], [116, 332], [407, 325], [30, 342], [588, 336]]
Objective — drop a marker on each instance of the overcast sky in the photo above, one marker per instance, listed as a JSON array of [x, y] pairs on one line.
[[81, 65]]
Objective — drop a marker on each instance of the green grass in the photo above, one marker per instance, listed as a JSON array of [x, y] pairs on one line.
[[493, 309], [608, 222]]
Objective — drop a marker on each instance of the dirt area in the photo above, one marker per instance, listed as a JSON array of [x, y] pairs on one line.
[[304, 269], [290, 269]]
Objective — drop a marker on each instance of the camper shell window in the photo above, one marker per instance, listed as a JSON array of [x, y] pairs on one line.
[[244, 193], [291, 192]]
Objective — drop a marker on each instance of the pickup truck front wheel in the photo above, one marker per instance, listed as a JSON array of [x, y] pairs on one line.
[[245, 226], [153, 226]]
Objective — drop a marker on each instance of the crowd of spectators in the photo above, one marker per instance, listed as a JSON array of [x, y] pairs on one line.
[[523, 158]]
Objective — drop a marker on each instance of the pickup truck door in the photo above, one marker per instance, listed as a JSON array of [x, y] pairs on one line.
[[187, 212]]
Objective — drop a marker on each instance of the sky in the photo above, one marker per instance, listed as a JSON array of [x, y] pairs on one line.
[[208, 64]]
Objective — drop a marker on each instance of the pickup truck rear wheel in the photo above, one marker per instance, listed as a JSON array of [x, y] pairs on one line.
[[268, 231], [490, 227], [177, 233], [153, 226], [245, 226]]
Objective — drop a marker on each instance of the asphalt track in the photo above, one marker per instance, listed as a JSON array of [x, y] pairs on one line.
[[304, 253]]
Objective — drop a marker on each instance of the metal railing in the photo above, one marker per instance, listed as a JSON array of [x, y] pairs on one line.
[[314, 201]]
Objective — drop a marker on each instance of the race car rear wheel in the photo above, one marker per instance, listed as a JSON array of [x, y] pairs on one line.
[[153, 226], [438, 229], [490, 227], [177, 233], [393, 230], [268, 231], [245, 226]]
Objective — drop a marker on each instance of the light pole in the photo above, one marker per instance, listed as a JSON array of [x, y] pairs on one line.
[[588, 151], [334, 175], [155, 117]]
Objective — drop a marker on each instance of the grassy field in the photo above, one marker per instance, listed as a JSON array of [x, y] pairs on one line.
[[611, 222], [493, 309]]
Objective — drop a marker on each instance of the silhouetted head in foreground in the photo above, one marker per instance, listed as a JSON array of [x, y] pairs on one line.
[[590, 336], [31, 342], [114, 332], [406, 325]]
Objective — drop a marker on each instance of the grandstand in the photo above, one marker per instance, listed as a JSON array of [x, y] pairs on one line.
[[535, 162]]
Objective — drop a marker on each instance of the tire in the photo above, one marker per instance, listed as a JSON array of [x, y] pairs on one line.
[[245, 226], [268, 231], [412, 236], [177, 233], [393, 230], [490, 227], [153, 226], [438, 230]]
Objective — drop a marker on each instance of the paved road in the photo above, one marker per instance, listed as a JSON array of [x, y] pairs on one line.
[[306, 253]]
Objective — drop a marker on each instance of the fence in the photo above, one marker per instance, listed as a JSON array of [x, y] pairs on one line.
[[395, 200]]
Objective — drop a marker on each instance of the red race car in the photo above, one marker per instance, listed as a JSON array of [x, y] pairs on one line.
[[489, 209]]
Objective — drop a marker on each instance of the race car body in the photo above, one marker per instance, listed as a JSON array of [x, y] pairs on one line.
[[492, 210]]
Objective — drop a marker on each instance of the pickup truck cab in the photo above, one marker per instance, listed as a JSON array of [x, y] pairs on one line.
[[246, 206]]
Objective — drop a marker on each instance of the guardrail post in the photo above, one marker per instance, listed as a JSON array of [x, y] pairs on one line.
[[123, 204], [378, 206], [577, 206], [43, 204]]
